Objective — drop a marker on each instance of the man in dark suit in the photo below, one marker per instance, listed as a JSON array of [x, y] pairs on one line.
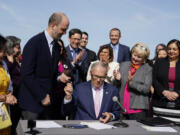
[[38, 68], [91, 55], [121, 52], [92, 100], [77, 57]]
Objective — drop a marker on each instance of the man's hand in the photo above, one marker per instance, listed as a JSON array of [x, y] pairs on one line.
[[107, 117], [64, 78], [79, 56], [10, 99], [68, 89], [46, 101]]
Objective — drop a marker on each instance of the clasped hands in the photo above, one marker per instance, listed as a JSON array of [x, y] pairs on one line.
[[170, 95], [9, 98]]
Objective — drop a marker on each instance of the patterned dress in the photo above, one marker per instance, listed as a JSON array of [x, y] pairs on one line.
[[4, 84]]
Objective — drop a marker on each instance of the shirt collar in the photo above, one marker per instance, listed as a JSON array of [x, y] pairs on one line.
[[48, 37], [101, 88], [114, 45], [71, 49]]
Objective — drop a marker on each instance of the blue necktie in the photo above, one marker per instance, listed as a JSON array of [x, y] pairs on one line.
[[74, 53]]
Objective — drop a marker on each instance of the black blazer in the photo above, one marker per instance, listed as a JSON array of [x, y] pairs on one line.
[[91, 55], [37, 72], [161, 79]]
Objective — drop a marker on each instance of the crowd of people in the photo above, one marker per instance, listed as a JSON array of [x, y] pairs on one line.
[[50, 81]]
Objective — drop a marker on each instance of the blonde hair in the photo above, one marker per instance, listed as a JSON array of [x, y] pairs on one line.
[[141, 49]]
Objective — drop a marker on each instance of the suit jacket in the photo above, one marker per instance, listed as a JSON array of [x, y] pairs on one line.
[[161, 80], [123, 53], [83, 104], [37, 73], [91, 55], [79, 70], [139, 86]]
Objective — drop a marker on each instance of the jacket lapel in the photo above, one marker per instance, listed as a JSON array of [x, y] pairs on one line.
[[84, 56], [106, 93], [46, 47], [69, 55], [90, 101]]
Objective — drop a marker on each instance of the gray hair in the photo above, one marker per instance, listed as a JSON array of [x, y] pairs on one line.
[[101, 64], [9, 47], [12, 41]]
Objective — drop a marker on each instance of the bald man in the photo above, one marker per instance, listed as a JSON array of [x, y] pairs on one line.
[[40, 58]]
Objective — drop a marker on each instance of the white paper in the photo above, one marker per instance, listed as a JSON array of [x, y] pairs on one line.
[[160, 129], [47, 124], [97, 125]]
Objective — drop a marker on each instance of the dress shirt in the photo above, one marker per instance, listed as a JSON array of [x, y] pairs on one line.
[[76, 51], [116, 48], [94, 93], [49, 40]]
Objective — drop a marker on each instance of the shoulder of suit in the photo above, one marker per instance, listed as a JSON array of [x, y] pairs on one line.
[[91, 51], [125, 63], [83, 84], [161, 61], [38, 36], [124, 46], [147, 66], [35, 39], [109, 86], [67, 47]]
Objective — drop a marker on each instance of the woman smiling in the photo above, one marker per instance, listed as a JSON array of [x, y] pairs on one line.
[[166, 76], [135, 78]]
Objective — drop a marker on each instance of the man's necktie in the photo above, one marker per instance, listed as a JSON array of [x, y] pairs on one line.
[[74, 53], [97, 100], [53, 45], [114, 53]]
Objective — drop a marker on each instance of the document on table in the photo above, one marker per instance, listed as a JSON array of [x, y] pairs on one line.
[[47, 124], [160, 129], [97, 125]]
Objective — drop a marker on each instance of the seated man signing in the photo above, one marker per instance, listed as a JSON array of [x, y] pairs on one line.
[[92, 100]]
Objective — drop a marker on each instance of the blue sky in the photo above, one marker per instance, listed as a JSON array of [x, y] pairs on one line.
[[151, 22]]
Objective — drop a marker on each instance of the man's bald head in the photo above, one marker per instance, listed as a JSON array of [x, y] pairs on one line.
[[56, 18], [57, 25]]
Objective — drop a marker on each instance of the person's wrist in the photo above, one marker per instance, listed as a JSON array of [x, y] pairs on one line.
[[5, 98], [68, 97]]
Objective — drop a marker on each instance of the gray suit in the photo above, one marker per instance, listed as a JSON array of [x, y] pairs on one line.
[[139, 85]]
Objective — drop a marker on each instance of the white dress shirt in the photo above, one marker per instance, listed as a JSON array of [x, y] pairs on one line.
[[49, 40]]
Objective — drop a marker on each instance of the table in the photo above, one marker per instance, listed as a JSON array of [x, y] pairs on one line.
[[133, 129]]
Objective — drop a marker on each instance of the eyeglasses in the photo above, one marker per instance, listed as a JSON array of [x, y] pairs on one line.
[[76, 39], [99, 77]]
